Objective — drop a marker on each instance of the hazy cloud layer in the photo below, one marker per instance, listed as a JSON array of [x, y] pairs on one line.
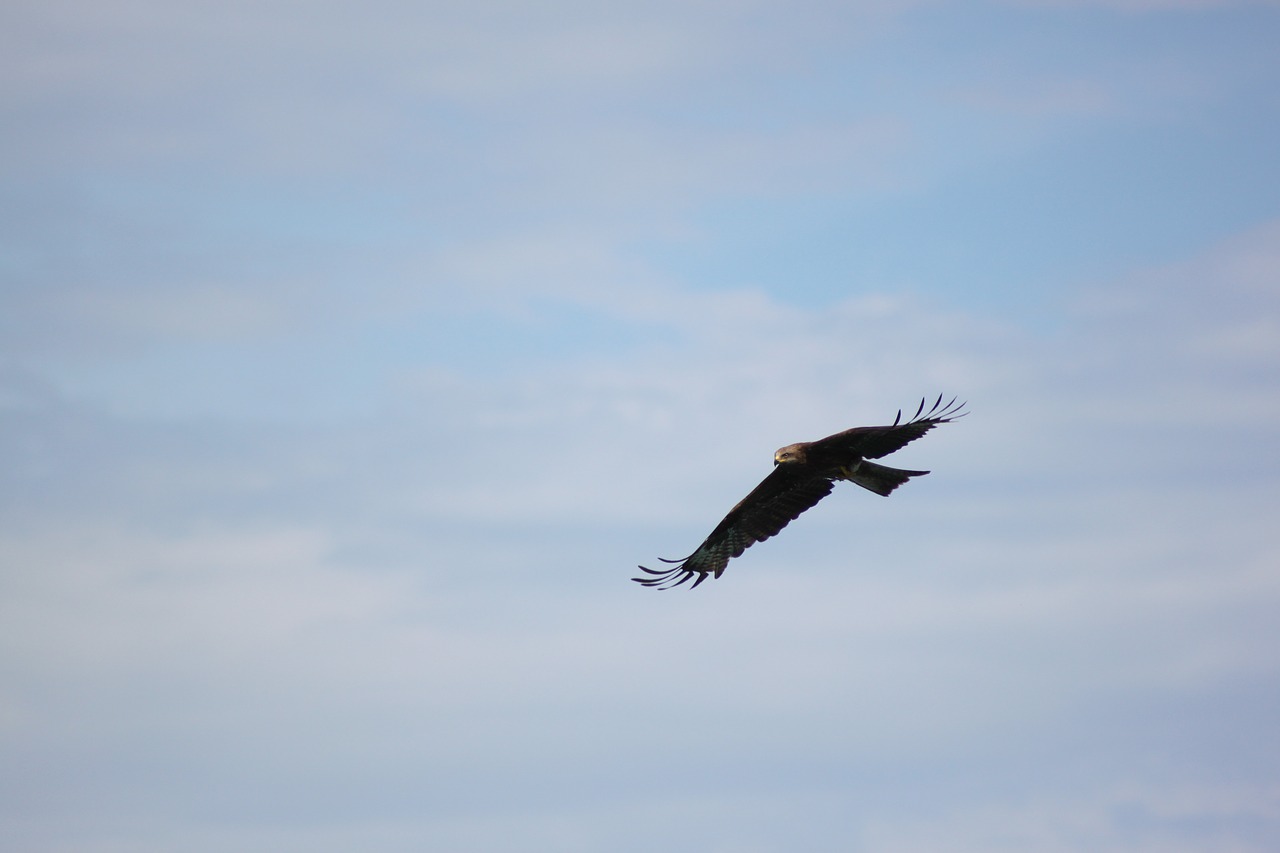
[[351, 359]]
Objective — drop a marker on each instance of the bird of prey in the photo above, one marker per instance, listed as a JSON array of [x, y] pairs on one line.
[[804, 474]]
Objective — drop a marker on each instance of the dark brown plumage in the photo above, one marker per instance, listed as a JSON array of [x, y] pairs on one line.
[[804, 474]]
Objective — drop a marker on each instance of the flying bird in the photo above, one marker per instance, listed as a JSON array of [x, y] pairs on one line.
[[802, 475]]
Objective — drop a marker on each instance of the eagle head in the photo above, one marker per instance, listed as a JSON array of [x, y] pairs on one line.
[[792, 454]]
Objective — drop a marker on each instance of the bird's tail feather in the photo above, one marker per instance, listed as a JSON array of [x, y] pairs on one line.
[[880, 479]]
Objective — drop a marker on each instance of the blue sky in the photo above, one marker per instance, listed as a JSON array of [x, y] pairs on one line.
[[352, 356]]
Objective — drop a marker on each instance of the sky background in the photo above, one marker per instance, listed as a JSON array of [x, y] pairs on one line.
[[352, 355]]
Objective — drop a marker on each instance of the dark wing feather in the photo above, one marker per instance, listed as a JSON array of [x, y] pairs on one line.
[[771, 506], [875, 442], [793, 488]]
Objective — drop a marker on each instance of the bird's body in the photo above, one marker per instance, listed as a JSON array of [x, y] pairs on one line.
[[804, 474]]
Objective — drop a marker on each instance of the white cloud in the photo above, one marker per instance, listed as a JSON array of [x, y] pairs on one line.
[[349, 88], [1134, 818], [1043, 98], [1187, 338], [319, 503], [1140, 6], [443, 595]]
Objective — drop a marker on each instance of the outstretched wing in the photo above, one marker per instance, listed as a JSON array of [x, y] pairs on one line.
[[771, 506], [875, 442]]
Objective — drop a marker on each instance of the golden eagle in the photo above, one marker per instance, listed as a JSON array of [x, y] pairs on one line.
[[802, 475]]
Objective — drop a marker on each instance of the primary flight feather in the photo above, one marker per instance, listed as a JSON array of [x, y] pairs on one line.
[[802, 475]]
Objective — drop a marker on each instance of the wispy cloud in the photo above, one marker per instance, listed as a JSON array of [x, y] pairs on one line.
[[351, 358]]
